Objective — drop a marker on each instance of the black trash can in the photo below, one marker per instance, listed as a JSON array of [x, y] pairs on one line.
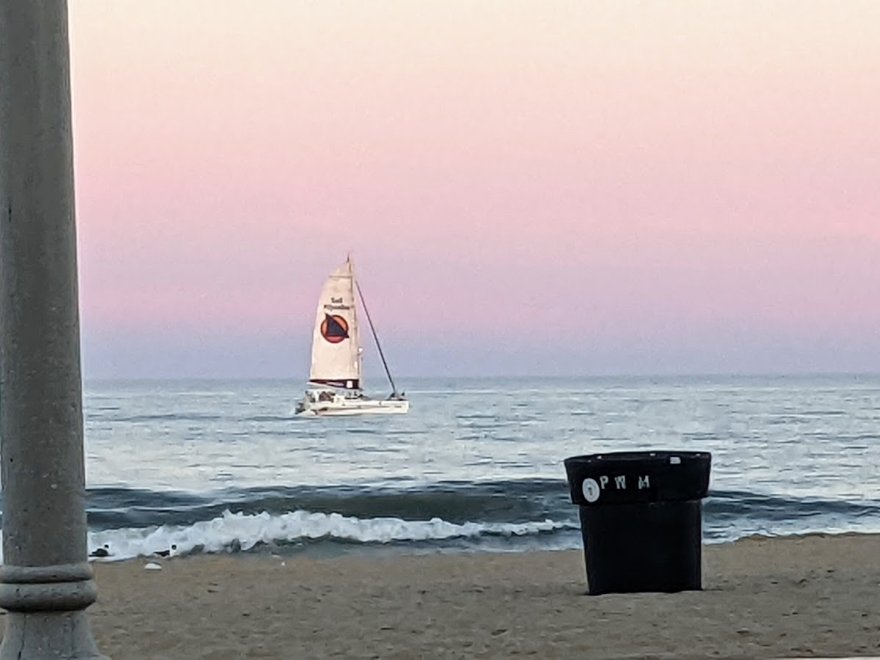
[[641, 518]]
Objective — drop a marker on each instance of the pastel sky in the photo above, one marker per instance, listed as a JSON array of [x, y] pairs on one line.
[[540, 187]]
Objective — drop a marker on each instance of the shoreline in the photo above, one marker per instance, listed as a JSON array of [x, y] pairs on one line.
[[379, 551], [765, 597]]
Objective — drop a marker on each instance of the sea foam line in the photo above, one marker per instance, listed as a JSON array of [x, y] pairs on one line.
[[245, 531]]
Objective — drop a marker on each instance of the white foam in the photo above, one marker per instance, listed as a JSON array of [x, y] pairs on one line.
[[247, 530]]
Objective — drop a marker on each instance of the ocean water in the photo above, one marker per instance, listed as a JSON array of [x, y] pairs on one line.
[[204, 467]]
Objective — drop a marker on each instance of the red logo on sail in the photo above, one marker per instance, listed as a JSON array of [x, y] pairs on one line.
[[334, 328]]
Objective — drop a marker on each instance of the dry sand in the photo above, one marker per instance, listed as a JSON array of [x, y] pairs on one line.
[[816, 595]]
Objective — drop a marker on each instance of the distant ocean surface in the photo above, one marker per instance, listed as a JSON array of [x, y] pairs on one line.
[[213, 467]]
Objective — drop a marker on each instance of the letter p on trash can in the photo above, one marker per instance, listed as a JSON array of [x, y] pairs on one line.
[[641, 518]]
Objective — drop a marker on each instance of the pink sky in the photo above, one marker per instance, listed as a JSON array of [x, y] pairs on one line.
[[604, 186]]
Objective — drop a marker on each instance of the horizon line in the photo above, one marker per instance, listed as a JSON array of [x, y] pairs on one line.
[[603, 376]]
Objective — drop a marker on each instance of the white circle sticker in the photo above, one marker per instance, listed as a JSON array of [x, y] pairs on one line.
[[591, 489]]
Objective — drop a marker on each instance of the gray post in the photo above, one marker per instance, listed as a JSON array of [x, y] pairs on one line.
[[46, 583]]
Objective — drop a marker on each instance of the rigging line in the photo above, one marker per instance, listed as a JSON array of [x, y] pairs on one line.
[[375, 337]]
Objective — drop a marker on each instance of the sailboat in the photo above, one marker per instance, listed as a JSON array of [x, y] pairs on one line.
[[336, 375]]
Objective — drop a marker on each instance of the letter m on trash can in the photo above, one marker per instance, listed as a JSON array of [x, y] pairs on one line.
[[644, 482]]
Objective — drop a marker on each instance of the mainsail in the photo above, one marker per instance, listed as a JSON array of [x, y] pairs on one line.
[[336, 346]]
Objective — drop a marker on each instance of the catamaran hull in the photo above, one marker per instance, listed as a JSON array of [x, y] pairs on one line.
[[351, 408]]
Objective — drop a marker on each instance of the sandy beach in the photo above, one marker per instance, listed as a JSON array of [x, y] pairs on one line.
[[762, 598]]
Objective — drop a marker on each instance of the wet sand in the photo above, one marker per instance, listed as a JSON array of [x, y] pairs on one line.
[[800, 596]]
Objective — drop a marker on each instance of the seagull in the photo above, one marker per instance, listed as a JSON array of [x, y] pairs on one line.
[[101, 552], [165, 553]]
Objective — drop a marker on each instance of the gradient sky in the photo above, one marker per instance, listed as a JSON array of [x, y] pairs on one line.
[[538, 187]]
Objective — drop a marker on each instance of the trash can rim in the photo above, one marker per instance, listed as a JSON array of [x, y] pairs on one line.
[[642, 455]]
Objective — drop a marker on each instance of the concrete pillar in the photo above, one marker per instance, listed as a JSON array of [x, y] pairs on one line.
[[46, 582]]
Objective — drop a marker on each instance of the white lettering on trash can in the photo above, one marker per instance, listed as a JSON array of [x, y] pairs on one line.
[[644, 481], [591, 490]]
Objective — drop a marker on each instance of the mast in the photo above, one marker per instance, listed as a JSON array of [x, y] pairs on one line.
[[375, 336]]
